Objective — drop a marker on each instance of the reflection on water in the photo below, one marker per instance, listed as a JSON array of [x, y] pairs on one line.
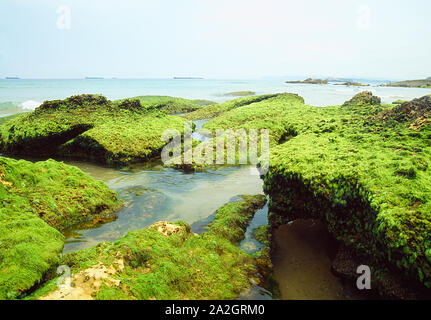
[[197, 134], [153, 193], [250, 244], [302, 263]]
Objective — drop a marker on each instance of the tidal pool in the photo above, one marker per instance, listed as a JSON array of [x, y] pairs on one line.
[[302, 264], [153, 193]]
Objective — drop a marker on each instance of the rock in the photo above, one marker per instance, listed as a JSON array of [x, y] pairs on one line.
[[90, 127], [38, 201], [363, 98], [415, 109], [166, 228], [309, 81]]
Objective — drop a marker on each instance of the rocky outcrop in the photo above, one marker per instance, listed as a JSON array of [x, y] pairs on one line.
[[90, 127], [362, 99], [38, 200], [412, 110], [309, 81]]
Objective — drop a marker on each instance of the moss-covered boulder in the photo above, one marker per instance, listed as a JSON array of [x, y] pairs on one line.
[[416, 109], [165, 261], [265, 112], [269, 112], [170, 105], [92, 128], [367, 179], [232, 219], [217, 109], [363, 98], [240, 93], [37, 200]]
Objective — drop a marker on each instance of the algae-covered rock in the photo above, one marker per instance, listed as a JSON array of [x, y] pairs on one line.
[[92, 128], [217, 109], [263, 234], [398, 101], [281, 115], [165, 261], [367, 179], [170, 105], [309, 81], [362, 99], [232, 219], [240, 93], [37, 200], [425, 83], [270, 113], [415, 109]]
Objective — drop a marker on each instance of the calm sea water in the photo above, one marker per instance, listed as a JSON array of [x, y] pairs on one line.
[[26, 94]]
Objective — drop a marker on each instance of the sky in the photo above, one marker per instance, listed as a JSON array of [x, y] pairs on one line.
[[227, 39]]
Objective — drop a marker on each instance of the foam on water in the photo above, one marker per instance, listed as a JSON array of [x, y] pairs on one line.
[[30, 105]]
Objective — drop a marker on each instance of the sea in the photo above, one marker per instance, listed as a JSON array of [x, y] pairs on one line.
[[23, 95]]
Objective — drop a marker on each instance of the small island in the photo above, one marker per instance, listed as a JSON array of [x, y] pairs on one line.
[[425, 83], [240, 94], [309, 81], [350, 83]]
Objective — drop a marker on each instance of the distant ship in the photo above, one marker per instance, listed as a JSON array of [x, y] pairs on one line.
[[11, 78], [93, 78], [187, 78]]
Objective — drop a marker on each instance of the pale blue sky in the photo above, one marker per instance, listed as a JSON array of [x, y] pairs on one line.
[[216, 39]]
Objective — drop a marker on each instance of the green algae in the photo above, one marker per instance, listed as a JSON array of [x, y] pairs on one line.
[[215, 110], [266, 112], [367, 179], [90, 127], [425, 83], [170, 105], [176, 264], [270, 112], [240, 93], [263, 234], [363, 98], [37, 200], [203, 102], [3, 120], [362, 168], [399, 101], [232, 219]]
